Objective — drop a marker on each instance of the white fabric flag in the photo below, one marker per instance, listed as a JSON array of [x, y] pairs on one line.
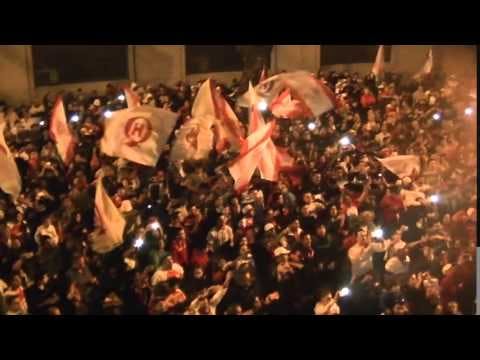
[[10, 180], [427, 67], [131, 98], [61, 134], [138, 134], [402, 165], [379, 65], [194, 140], [309, 96], [110, 222], [245, 164]]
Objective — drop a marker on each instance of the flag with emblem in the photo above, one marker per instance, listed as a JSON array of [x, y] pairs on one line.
[[306, 95], [210, 103], [61, 134], [379, 64], [110, 222], [138, 134], [402, 165], [272, 159], [243, 167], [10, 180]]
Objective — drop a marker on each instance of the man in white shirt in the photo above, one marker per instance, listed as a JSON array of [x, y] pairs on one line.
[[327, 304], [221, 234]]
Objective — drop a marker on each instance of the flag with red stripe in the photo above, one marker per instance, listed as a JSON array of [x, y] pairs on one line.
[[209, 102], [10, 180], [244, 165], [306, 95], [61, 134], [110, 222]]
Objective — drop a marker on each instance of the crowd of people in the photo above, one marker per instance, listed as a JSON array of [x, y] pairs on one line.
[[337, 234]]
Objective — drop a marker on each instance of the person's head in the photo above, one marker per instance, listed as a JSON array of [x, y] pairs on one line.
[[16, 282], [54, 311], [307, 198], [295, 225], [222, 220], [198, 273], [401, 309], [453, 307], [306, 240], [333, 211], [195, 211], [78, 217], [324, 296], [316, 179], [181, 235]]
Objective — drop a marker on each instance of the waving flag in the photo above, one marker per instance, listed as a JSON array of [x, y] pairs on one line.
[[245, 164], [427, 67], [309, 96], [284, 107], [132, 99], [379, 65], [138, 134], [61, 134], [110, 222], [209, 102], [402, 165], [272, 160], [263, 74], [10, 180], [194, 140]]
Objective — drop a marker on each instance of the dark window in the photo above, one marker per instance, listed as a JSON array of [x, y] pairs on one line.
[[212, 58], [351, 54], [64, 64]]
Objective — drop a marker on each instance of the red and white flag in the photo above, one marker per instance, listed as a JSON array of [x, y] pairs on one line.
[[61, 134], [131, 98], [209, 102], [10, 180], [138, 134], [272, 160], [427, 67], [245, 164], [110, 222], [379, 65], [263, 74], [306, 96], [402, 165], [194, 140]]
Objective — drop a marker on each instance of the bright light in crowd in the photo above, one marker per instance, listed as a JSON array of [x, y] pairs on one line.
[[149, 206], [42, 123], [107, 114], [75, 118], [436, 116], [138, 243], [121, 97], [377, 233], [468, 111], [345, 141], [435, 198], [262, 105], [155, 225], [311, 126], [344, 292]]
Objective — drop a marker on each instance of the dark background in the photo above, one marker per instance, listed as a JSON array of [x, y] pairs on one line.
[[351, 54], [212, 58]]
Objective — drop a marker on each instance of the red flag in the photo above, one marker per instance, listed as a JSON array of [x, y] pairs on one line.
[[245, 164], [138, 134], [402, 165], [379, 64], [10, 180], [310, 96], [132, 99], [272, 160], [209, 102], [110, 222], [61, 134]]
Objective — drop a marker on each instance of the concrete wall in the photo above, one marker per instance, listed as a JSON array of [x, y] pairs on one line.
[[166, 64]]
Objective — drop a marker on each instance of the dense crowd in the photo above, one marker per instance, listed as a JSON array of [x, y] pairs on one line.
[[338, 234]]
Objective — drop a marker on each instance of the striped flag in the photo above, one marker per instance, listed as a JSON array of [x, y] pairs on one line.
[[209, 102], [402, 165], [10, 180], [310, 97], [61, 134], [110, 222], [379, 65], [138, 134], [131, 98], [272, 159], [427, 67], [245, 164]]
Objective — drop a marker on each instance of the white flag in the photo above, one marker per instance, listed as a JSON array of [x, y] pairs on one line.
[[61, 134], [10, 180], [138, 134], [131, 98], [110, 222], [379, 65], [402, 165], [427, 67]]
